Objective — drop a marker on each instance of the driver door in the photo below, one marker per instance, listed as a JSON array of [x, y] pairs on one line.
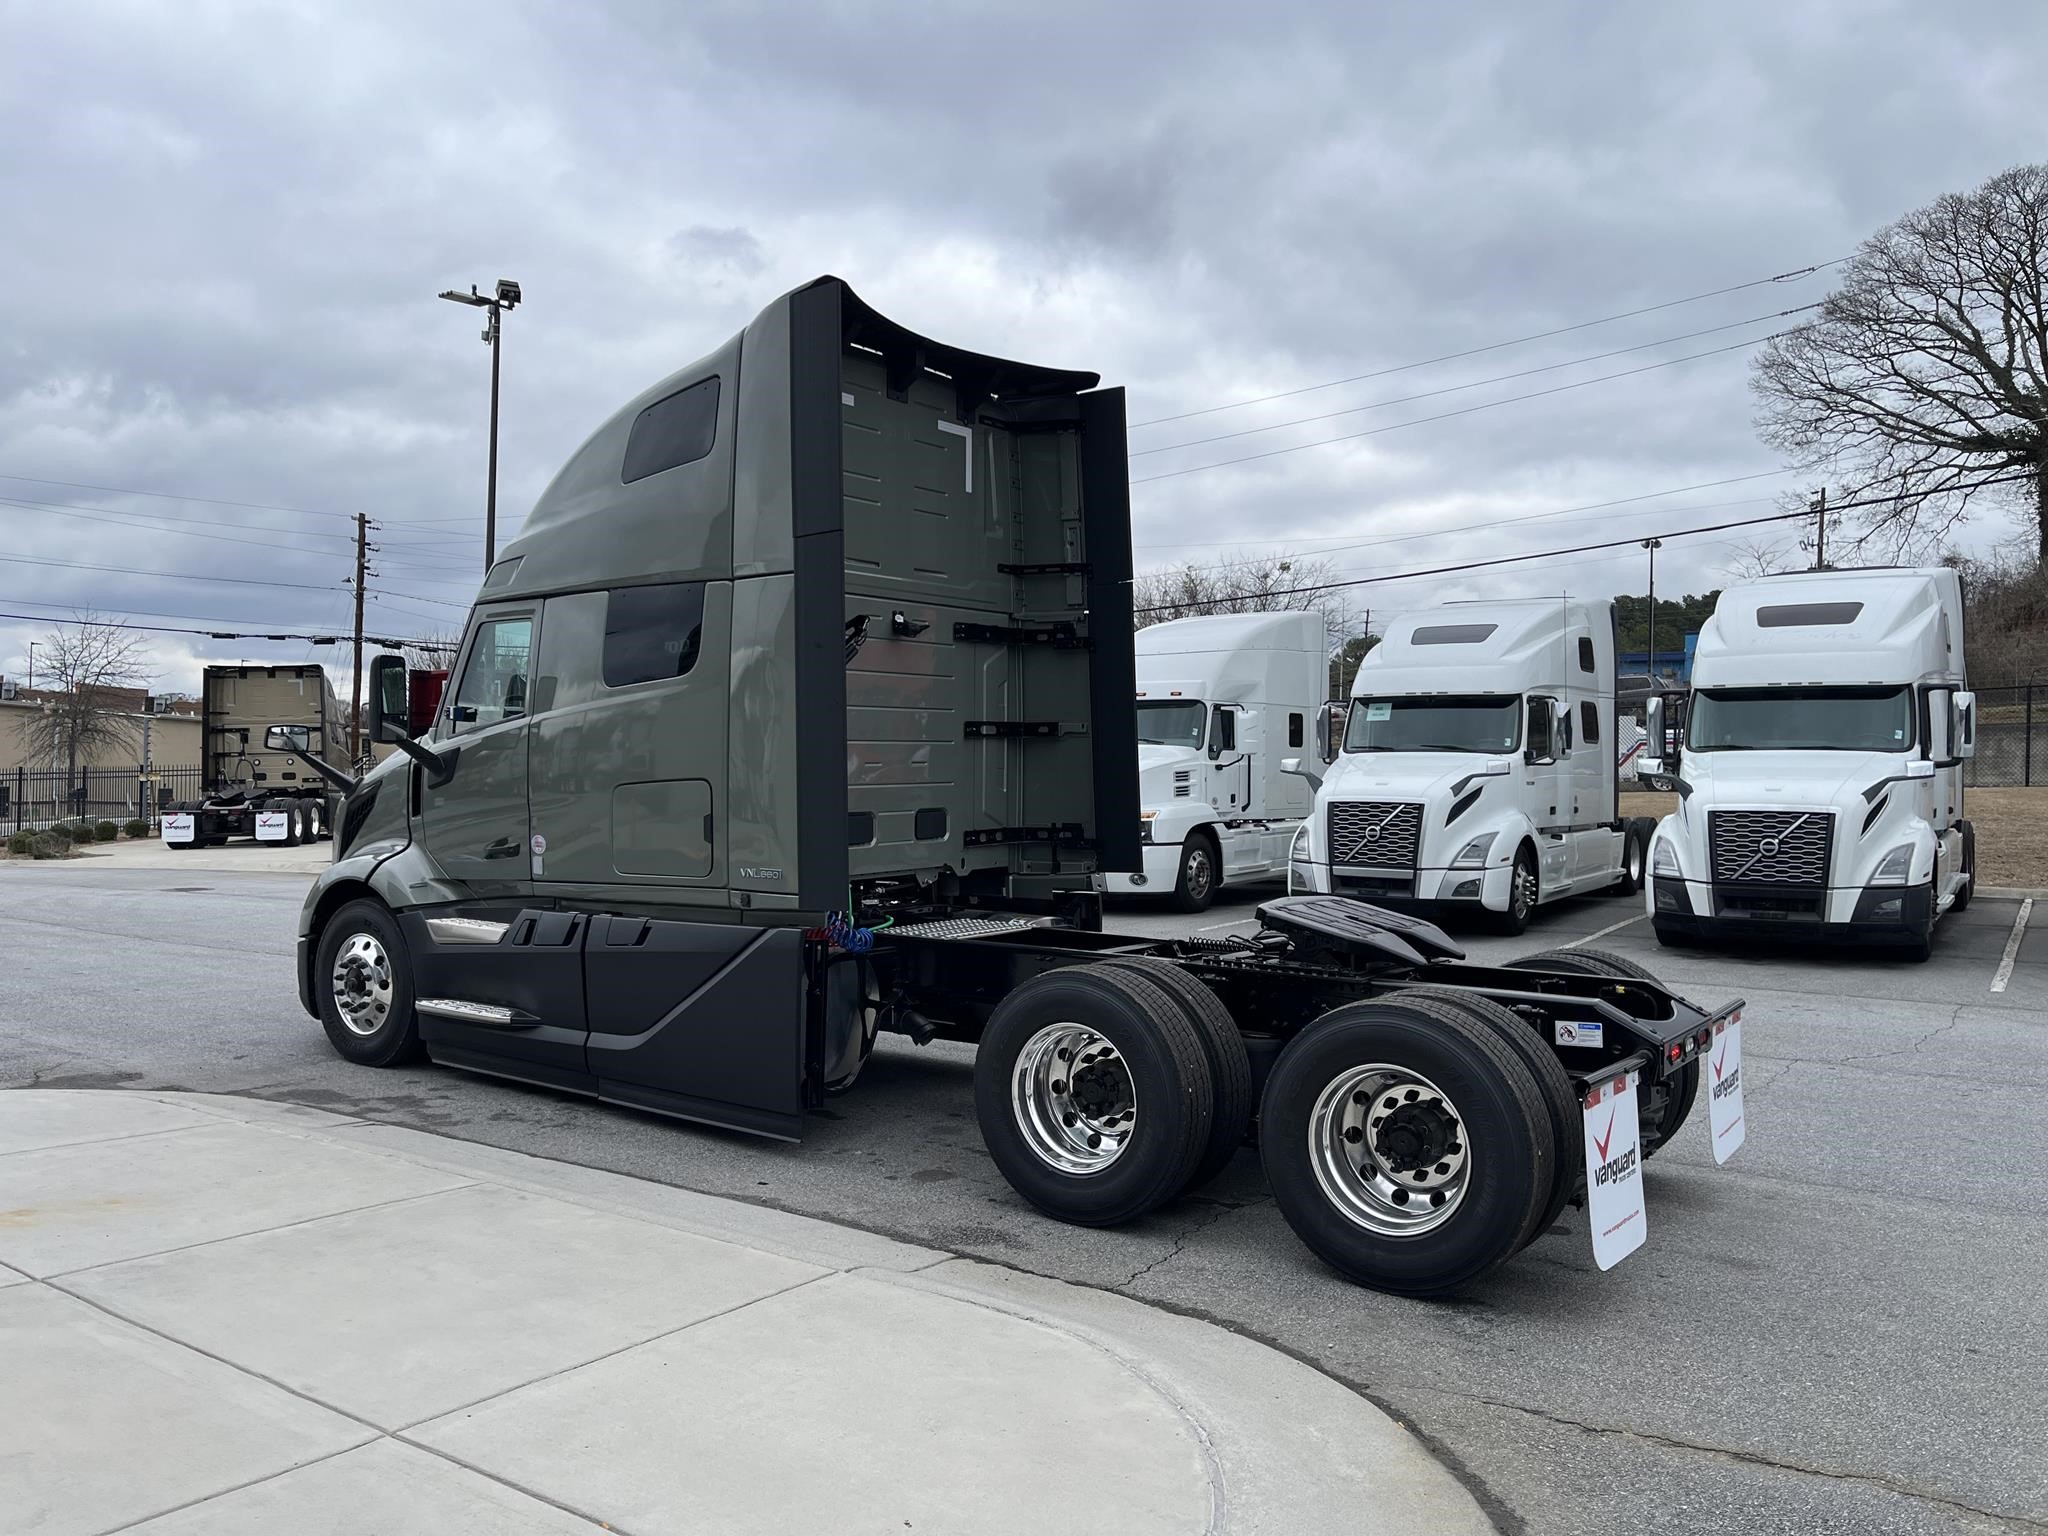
[[474, 823], [1546, 781]]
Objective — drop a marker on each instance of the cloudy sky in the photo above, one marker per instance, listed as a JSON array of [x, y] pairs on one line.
[[225, 225]]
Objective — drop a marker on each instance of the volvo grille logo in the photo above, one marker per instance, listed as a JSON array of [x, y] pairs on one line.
[[1372, 834], [1768, 847]]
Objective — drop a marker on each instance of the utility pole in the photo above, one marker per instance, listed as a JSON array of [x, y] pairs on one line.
[[1819, 507], [355, 686], [1653, 545]]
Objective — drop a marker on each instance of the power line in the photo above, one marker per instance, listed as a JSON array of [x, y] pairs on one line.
[[215, 501], [1499, 378], [1577, 549], [120, 518], [1484, 405], [257, 506], [390, 643], [129, 570], [1591, 506], [1451, 357]]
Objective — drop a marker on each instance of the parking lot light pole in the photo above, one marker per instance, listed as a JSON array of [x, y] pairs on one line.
[[1653, 545], [504, 297]]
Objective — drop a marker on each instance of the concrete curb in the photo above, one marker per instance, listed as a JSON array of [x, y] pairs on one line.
[[2013, 892], [1283, 1447]]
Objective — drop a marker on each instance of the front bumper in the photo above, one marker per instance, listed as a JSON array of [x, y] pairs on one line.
[[1876, 914], [1161, 873], [1465, 886]]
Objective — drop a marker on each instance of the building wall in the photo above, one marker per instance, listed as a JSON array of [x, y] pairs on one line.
[[173, 741]]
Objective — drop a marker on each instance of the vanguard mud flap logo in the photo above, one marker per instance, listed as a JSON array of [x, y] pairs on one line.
[[1724, 1087], [1614, 1173]]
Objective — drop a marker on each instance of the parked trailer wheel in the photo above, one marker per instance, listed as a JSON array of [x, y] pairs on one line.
[[363, 980], [293, 826], [1635, 856], [1969, 889], [1665, 1105], [1230, 1067], [1094, 1094], [1560, 1099], [1410, 1148]]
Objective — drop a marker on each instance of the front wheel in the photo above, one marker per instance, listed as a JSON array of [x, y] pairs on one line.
[[363, 978], [1195, 885], [1523, 889], [1410, 1149], [1635, 856], [1969, 888]]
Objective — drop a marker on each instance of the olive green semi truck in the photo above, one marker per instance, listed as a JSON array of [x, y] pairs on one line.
[[803, 710]]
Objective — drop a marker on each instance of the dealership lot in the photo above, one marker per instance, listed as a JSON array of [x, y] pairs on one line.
[[1839, 1331]]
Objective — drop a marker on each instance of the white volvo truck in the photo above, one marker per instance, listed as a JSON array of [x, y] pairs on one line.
[[1820, 779], [1479, 765], [1222, 700]]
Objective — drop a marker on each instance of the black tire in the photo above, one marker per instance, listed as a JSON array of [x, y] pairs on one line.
[[1230, 1067], [293, 826], [1162, 1061], [1669, 937], [1495, 1105], [1525, 885], [1665, 1105], [1917, 948], [1200, 874], [1559, 1097], [395, 1037], [1635, 857], [1962, 901]]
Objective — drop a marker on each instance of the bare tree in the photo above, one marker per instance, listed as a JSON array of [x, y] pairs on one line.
[[1926, 372], [90, 663], [1257, 584], [432, 653], [1753, 557]]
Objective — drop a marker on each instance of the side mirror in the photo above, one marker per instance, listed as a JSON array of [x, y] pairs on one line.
[[1301, 770], [1963, 737], [389, 701], [1495, 768], [1653, 729], [1919, 768], [288, 738]]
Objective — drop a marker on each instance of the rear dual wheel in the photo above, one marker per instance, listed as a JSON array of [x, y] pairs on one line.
[[1407, 1144]]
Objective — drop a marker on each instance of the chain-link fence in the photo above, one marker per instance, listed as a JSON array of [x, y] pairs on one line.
[[2012, 737], [33, 798]]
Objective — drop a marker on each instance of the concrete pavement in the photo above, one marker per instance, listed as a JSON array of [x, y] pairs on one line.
[[226, 1315]]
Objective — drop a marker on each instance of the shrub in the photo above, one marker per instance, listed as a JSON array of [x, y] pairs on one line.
[[81, 832], [135, 826], [22, 842], [49, 847], [106, 831], [63, 831]]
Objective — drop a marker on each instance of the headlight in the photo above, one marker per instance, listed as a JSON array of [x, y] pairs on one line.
[[1297, 851], [1475, 851], [1664, 858], [1894, 867]]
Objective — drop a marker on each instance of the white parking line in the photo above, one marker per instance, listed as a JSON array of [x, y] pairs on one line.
[[1610, 928], [1239, 923], [2012, 947]]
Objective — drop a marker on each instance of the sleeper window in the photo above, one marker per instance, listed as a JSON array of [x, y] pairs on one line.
[[493, 686], [652, 632], [672, 431], [1589, 722]]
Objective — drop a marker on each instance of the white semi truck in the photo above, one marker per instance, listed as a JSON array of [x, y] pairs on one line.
[[1222, 700], [1820, 777], [1479, 765]]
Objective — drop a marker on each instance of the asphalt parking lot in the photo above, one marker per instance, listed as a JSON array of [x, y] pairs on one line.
[[1839, 1331]]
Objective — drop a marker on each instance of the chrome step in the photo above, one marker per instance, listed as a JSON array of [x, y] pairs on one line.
[[462, 1011]]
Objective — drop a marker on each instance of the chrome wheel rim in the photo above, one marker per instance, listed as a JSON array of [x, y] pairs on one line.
[[1200, 875], [1635, 863], [1524, 895], [362, 984], [1073, 1099], [1389, 1149]]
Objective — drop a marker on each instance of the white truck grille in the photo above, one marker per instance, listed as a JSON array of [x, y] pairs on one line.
[[1382, 833], [1770, 847]]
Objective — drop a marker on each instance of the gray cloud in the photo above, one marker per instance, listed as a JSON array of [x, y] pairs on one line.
[[227, 224]]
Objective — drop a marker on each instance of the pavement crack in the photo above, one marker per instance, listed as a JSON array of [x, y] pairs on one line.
[[1216, 1212], [1760, 1459]]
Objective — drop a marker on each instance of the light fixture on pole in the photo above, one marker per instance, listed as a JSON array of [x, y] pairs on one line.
[[1653, 545], [505, 296]]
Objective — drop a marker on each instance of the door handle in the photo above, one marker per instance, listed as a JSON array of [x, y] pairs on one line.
[[502, 848]]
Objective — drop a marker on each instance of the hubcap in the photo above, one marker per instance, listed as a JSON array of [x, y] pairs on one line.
[[1525, 888], [1389, 1150], [1635, 862], [1073, 1099], [362, 984], [1199, 873]]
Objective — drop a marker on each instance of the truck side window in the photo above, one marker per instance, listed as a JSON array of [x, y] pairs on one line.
[[676, 430], [1585, 657], [1294, 730], [652, 632], [1589, 722], [493, 686], [1224, 738], [1541, 749]]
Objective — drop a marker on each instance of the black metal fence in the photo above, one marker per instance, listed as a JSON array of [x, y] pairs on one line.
[[32, 798], [2012, 737]]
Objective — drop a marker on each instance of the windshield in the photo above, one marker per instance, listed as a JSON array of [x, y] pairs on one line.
[[1800, 719], [1480, 723], [1172, 722]]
